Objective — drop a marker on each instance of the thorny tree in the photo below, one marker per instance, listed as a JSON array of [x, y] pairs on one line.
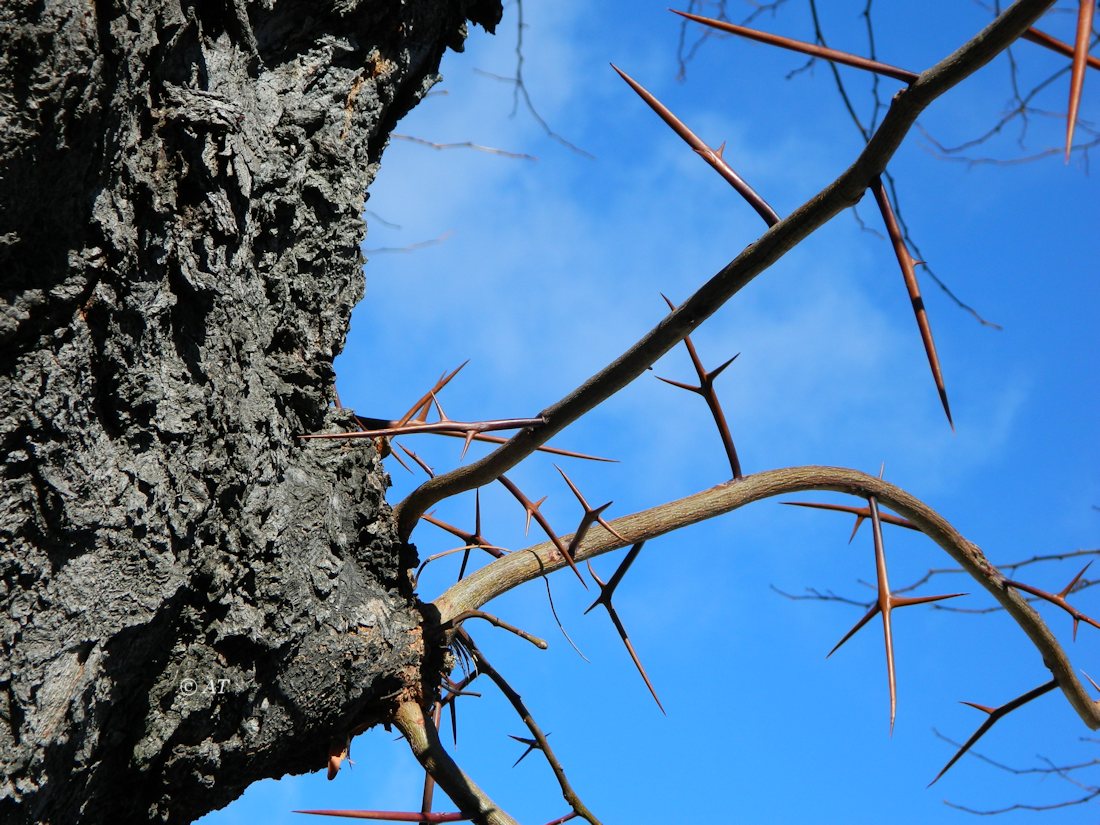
[[172, 321]]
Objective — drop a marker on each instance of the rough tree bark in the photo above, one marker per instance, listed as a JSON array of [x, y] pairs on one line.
[[193, 599]]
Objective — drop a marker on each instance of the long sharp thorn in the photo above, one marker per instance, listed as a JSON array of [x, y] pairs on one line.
[[496, 439], [1091, 682], [429, 780], [855, 527], [1080, 58], [870, 614], [714, 158], [533, 510], [994, 715], [1044, 39], [606, 526], [887, 518], [706, 390], [806, 48], [423, 465], [885, 602], [906, 601], [634, 657], [398, 458], [392, 816], [462, 568], [532, 744], [469, 437], [1069, 587], [908, 272], [1059, 599], [527, 523], [680, 384], [425, 400], [607, 591], [714, 373]]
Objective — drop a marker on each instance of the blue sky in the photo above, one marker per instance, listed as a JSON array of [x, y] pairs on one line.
[[552, 267]]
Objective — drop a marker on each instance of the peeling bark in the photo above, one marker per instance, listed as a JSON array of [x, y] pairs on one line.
[[193, 599]]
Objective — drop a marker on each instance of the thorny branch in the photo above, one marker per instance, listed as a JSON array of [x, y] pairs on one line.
[[543, 745], [755, 259], [523, 565], [464, 599]]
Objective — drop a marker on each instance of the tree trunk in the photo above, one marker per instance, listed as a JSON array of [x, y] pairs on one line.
[[193, 598]]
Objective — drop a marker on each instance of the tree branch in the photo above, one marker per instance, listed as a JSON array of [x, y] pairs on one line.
[[423, 738], [523, 565], [842, 193]]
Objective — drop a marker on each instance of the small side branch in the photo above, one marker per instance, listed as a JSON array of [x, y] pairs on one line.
[[543, 745], [429, 751]]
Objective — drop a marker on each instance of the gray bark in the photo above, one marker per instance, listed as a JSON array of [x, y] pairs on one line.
[[193, 598]]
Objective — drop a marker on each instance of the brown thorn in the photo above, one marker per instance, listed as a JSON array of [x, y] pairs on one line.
[[563, 819], [591, 515], [532, 744], [866, 618], [1091, 682], [607, 590], [805, 48], [885, 602], [714, 158], [392, 816], [417, 459], [1080, 58], [1055, 45], [1059, 599], [680, 384], [862, 512], [400, 460], [533, 510], [855, 527], [427, 397], [995, 714], [443, 427], [910, 275], [449, 430], [527, 523], [469, 437], [706, 390]]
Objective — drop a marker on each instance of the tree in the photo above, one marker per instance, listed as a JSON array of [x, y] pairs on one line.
[[288, 744], [192, 601]]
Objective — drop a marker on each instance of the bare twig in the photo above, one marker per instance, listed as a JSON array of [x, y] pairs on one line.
[[429, 751], [496, 622], [516, 700], [466, 144]]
